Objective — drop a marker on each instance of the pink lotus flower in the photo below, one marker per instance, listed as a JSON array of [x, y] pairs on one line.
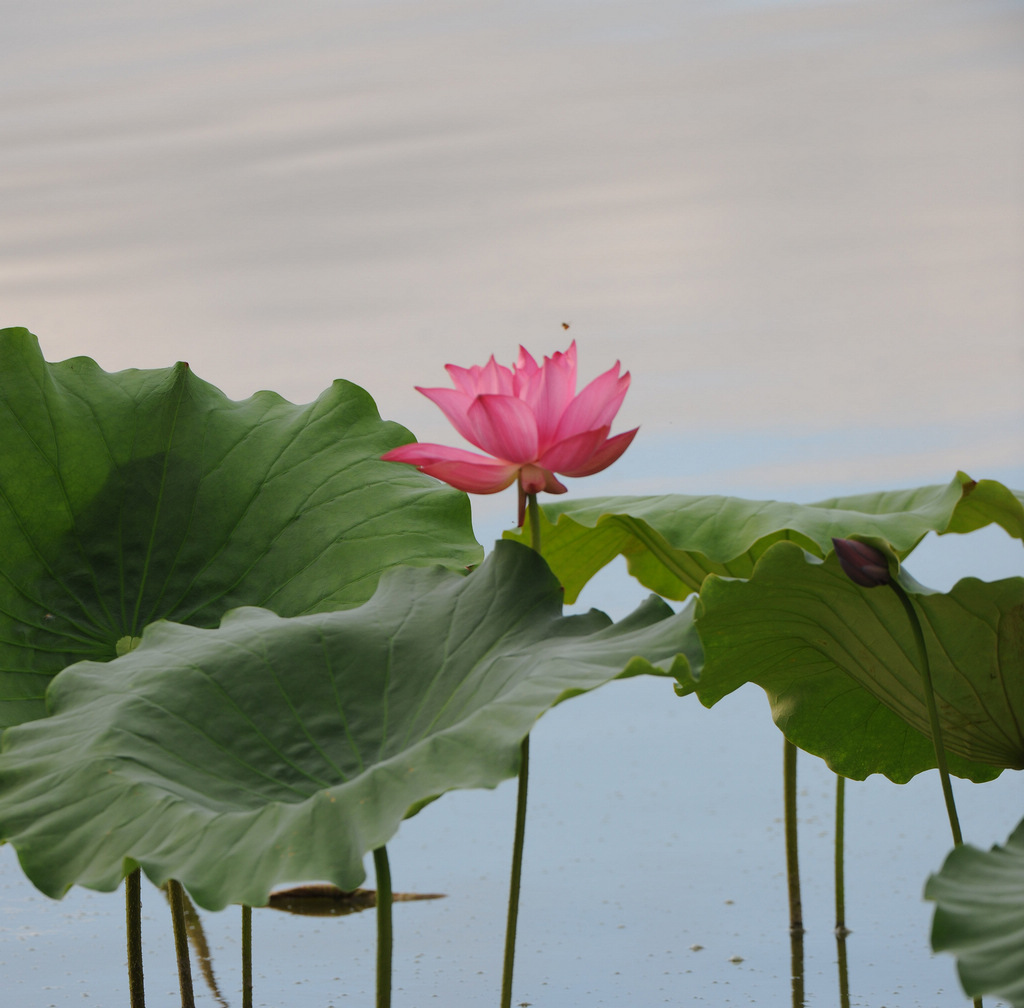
[[530, 422]]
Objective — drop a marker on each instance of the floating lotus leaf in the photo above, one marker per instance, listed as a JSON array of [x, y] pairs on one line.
[[672, 542], [143, 495], [839, 665], [278, 750], [979, 917]]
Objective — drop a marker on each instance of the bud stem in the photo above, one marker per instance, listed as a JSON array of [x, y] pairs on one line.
[[933, 712]]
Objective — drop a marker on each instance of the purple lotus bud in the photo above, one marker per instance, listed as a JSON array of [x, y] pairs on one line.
[[862, 564]]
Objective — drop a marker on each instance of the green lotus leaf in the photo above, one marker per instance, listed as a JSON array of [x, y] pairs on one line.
[[143, 495], [278, 750], [672, 542], [979, 917], [839, 665]]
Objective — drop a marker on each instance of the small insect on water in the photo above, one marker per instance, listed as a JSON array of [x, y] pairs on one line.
[[565, 325]]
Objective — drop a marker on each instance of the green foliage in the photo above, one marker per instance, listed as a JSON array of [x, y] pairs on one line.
[[257, 695], [838, 663], [143, 495], [672, 542], [979, 917], [274, 750]]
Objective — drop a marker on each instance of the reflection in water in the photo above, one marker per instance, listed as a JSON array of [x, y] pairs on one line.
[[197, 937], [330, 901], [320, 900], [796, 963], [844, 979]]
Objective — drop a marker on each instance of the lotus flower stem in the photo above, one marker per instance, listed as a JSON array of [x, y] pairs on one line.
[[796, 914], [176, 895], [516, 874], [133, 920], [384, 931], [533, 510], [246, 956]]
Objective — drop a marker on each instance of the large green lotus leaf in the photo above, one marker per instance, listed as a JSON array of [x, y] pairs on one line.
[[839, 665], [144, 495], [282, 750], [979, 917], [672, 542]]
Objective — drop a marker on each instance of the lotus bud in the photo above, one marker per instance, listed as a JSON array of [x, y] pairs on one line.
[[862, 564]]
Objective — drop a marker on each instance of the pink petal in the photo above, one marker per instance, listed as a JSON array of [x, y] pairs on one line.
[[455, 406], [574, 452], [527, 377], [596, 405], [424, 453], [473, 478], [504, 426], [569, 357], [605, 455], [540, 386], [491, 379], [461, 469], [525, 364], [555, 394], [464, 379]]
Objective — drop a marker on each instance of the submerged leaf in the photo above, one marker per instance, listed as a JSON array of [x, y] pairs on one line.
[[143, 495], [979, 917], [672, 542], [839, 665], [278, 750]]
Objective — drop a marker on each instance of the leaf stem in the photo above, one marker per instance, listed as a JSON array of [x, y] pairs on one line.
[[384, 930], [133, 922], [177, 897], [796, 923], [246, 956], [841, 929]]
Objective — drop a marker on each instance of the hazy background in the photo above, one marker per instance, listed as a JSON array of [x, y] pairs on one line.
[[800, 225]]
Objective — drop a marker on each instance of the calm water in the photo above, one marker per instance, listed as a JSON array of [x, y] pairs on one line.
[[799, 225]]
